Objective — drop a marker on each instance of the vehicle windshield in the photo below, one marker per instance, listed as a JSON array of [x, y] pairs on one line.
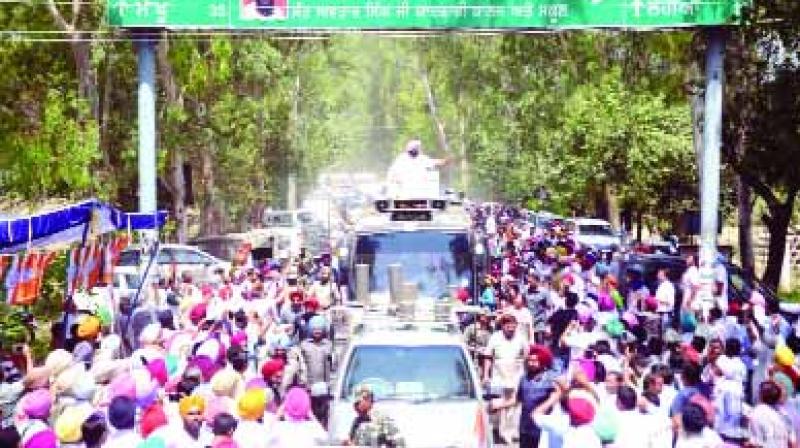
[[224, 249], [434, 260], [129, 258], [541, 221], [278, 220], [305, 217], [596, 229], [131, 281], [409, 373]]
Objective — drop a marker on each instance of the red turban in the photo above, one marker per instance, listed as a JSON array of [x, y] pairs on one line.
[[543, 353], [271, 367]]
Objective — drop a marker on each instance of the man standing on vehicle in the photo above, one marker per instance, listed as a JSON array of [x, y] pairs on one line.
[[412, 173], [371, 428]]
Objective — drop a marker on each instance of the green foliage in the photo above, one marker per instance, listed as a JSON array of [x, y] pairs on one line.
[[629, 140], [55, 155], [762, 137]]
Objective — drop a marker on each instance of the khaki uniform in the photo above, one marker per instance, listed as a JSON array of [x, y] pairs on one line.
[[379, 431], [295, 372]]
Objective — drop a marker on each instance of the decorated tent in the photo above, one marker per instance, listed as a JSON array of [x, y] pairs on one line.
[[71, 224]]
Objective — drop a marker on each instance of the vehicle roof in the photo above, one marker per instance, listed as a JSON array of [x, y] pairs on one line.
[[655, 257], [407, 338], [282, 212], [590, 221], [544, 213], [167, 246], [441, 221], [233, 237]]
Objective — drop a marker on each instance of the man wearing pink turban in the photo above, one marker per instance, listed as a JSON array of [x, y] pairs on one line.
[[299, 427]]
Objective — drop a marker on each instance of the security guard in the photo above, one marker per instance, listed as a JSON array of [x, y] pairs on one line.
[[371, 428]]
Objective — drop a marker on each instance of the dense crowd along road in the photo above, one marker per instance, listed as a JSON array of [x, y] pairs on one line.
[[502, 327]]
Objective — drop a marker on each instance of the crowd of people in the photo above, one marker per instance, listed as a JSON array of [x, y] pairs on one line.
[[579, 361], [242, 359], [581, 352]]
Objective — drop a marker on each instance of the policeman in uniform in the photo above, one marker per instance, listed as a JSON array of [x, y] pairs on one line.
[[371, 428], [477, 336]]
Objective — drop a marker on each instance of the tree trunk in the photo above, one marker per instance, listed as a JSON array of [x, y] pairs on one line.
[[438, 124], [176, 155], [464, 157], [104, 117], [87, 74], [178, 181], [639, 224], [745, 210], [778, 225], [612, 206], [81, 46], [210, 221]]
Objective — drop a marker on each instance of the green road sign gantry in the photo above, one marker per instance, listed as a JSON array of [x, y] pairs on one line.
[[420, 14]]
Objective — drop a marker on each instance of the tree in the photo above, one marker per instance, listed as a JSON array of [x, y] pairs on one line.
[[81, 44], [763, 137]]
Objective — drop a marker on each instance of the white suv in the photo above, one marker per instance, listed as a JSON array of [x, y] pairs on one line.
[[422, 378], [595, 233], [183, 258]]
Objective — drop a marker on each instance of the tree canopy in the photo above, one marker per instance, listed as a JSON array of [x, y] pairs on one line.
[[605, 121]]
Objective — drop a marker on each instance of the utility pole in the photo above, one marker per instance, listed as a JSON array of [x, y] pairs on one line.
[[710, 160]]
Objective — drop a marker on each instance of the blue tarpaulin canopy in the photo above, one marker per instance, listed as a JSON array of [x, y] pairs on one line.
[[71, 224]]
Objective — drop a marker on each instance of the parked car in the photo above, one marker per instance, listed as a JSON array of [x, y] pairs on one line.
[[647, 266], [543, 219], [594, 233], [286, 226], [175, 259], [224, 247], [740, 284]]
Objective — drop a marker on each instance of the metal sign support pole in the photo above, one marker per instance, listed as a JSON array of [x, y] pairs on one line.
[[146, 66], [710, 161], [146, 60]]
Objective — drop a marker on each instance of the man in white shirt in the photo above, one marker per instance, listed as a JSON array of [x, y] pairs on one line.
[[255, 424], [721, 289], [522, 313], [690, 281], [325, 289], [665, 297], [507, 349], [189, 431], [411, 173], [581, 410], [638, 429], [122, 418]]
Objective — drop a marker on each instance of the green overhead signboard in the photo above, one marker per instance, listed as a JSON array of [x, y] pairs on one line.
[[419, 14]]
